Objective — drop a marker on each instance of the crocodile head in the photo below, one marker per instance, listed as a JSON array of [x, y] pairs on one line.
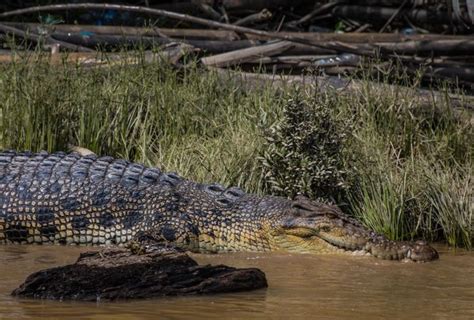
[[317, 228]]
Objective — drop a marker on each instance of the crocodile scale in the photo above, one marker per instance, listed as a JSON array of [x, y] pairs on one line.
[[73, 199]]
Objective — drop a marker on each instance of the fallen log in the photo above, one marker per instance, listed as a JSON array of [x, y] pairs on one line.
[[339, 47], [461, 74], [431, 47], [246, 55], [116, 41], [209, 46], [320, 61], [163, 13], [36, 38], [394, 15], [366, 38], [115, 274], [210, 12], [254, 18], [196, 34], [171, 53]]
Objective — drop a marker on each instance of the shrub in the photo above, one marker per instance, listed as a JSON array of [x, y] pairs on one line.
[[304, 151]]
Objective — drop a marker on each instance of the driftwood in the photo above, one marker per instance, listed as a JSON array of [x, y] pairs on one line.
[[36, 38], [234, 44], [246, 55], [394, 15], [159, 12], [441, 47], [296, 60], [462, 74], [113, 274], [365, 38], [210, 12], [431, 47], [321, 61], [199, 34], [170, 53], [367, 44], [105, 41], [263, 15], [340, 47]]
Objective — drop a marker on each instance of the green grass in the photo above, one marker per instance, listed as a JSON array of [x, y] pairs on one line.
[[181, 121], [403, 170]]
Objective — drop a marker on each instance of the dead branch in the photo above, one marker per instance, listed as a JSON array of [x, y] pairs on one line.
[[131, 31], [431, 47], [164, 13], [246, 55], [37, 38], [368, 38], [371, 38], [393, 16], [170, 54], [116, 41], [317, 61], [318, 10], [263, 15], [210, 12]]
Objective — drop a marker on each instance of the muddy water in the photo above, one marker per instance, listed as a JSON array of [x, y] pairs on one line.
[[300, 287]]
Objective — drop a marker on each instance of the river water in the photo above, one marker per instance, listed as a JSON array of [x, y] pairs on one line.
[[300, 287]]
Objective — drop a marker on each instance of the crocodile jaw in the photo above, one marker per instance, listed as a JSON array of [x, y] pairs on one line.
[[351, 239]]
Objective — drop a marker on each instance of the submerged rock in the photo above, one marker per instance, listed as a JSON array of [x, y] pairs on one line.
[[118, 273]]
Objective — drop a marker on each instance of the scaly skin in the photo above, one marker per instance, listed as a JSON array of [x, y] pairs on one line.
[[73, 199]]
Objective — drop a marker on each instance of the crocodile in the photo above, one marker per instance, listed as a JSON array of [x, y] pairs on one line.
[[70, 198]]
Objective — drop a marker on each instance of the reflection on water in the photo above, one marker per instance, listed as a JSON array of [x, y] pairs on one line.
[[300, 287]]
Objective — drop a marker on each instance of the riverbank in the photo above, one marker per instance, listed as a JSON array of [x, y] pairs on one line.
[[403, 169]]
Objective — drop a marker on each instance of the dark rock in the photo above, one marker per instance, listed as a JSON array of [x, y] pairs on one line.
[[118, 273]]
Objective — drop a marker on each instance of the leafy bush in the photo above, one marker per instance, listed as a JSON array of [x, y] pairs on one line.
[[304, 151]]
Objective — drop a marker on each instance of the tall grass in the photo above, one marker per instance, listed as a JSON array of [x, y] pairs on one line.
[[414, 169], [382, 203], [187, 122], [411, 166], [450, 195]]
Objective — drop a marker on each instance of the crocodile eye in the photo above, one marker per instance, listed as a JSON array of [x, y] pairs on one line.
[[325, 229], [331, 216]]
